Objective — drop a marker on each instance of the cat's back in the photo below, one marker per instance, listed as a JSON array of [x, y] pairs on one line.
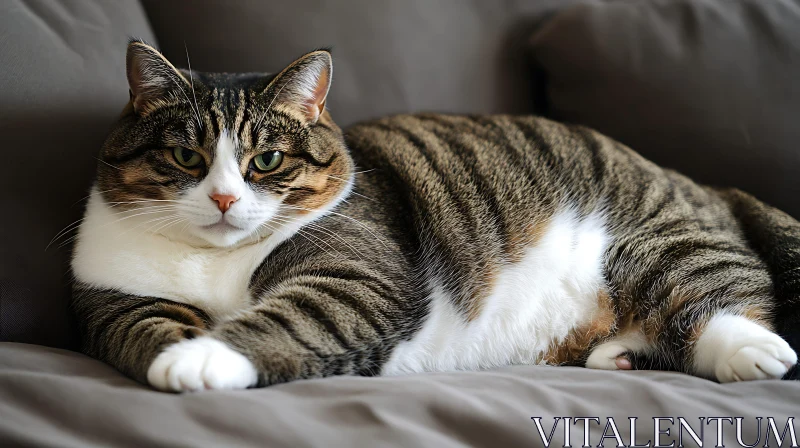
[[435, 133], [514, 160]]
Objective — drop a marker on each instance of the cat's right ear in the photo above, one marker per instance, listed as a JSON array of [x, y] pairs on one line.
[[151, 77], [305, 83]]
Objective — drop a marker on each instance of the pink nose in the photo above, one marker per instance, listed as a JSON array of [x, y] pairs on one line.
[[224, 201]]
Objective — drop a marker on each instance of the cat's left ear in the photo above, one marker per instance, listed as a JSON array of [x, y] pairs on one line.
[[305, 83], [151, 77]]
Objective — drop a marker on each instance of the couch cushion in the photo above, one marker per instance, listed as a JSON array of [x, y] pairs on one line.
[[96, 406], [62, 83], [709, 87]]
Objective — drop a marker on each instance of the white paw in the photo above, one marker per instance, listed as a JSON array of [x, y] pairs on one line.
[[203, 363], [738, 349], [605, 355], [608, 355], [767, 358]]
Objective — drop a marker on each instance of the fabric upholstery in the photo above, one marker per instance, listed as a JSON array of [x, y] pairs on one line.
[[708, 87], [39, 386]]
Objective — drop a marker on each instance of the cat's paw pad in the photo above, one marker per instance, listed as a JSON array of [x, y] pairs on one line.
[[203, 363], [609, 356], [765, 358]]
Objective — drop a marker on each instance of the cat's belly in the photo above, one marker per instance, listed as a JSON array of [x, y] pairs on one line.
[[535, 304]]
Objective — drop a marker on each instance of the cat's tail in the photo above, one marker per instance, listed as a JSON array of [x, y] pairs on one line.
[[776, 237]]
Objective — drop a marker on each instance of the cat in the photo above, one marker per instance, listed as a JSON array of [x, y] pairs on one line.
[[236, 237]]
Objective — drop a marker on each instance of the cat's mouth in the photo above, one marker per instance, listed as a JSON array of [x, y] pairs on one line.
[[221, 226]]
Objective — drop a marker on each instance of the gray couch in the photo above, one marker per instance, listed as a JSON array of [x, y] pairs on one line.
[[706, 86]]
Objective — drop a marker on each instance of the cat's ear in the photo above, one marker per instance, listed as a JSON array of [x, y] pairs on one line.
[[151, 77], [305, 83]]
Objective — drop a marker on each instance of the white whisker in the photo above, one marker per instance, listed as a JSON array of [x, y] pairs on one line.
[[106, 163], [191, 80], [93, 193], [64, 231], [169, 223], [258, 123], [343, 216], [319, 228]]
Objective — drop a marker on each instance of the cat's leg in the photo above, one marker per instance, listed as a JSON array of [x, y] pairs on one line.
[[309, 325], [728, 348], [721, 340], [735, 348], [704, 299], [130, 332], [317, 330]]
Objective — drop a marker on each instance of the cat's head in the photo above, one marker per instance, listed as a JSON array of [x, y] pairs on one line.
[[219, 159]]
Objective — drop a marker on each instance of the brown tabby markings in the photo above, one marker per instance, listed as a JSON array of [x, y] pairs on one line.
[[487, 283], [237, 121], [528, 237], [184, 314]]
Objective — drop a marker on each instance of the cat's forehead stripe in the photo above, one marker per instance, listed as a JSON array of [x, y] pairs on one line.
[[240, 113], [218, 109], [229, 111]]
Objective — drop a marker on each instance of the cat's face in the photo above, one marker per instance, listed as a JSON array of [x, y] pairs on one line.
[[222, 159]]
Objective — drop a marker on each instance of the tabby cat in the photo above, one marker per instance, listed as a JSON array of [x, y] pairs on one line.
[[236, 237]]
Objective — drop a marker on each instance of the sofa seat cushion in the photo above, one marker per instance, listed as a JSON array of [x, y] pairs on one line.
[[51, 397]]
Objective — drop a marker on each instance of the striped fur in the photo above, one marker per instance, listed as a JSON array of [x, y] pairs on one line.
[[458, 242]]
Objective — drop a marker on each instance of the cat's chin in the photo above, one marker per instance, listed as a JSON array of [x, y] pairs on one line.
[[217, 236], [221, 227], [228, 237]]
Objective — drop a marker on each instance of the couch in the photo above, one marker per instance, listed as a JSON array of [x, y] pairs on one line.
[[708, 87]]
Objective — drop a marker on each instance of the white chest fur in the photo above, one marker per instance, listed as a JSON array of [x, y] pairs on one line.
[[118, 254], [538, 300]]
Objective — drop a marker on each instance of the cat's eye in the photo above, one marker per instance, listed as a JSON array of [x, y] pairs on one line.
[[187, 157], [267, 161]]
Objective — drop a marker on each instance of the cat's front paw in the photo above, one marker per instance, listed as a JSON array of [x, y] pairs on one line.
[[768, 358], [202, 363]]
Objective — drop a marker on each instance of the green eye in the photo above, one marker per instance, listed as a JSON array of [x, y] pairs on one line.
[[187, 157], [268, 161]]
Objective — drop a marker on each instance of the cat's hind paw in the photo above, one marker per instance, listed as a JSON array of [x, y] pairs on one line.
[[735, 348], [609, 356], [614, 353], [202, 363], [768, 358]]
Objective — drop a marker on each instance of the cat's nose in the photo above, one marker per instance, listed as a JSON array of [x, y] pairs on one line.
[[224, 201]]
